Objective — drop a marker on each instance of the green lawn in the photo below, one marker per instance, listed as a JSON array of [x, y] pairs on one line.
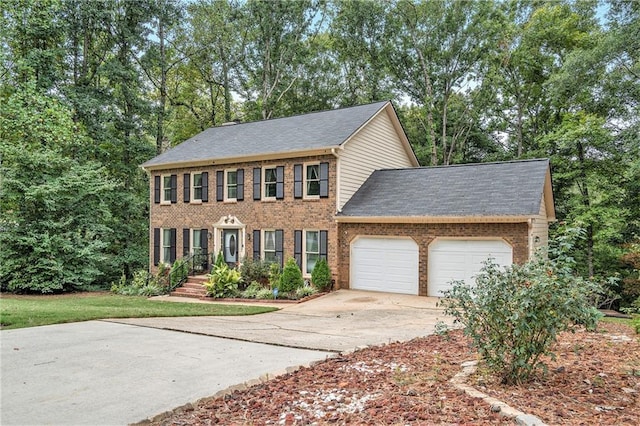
[[31, 311]]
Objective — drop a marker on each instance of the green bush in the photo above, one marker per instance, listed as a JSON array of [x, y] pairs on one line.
[[222, 282], [291, 278], [142, 284], [275, 274], [305, 291], [514, 316], [179, 270], [321, 275], [252, 290], [254, 270], [264, 294]]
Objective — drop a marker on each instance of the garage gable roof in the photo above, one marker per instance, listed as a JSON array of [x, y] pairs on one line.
[[307, 132], [504, 189]]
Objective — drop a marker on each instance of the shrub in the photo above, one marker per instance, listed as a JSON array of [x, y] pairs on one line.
[[291, 278], [514, 316], [222, 281], [254, 270], [321, 275], [305, 291], [264, 294], [142, 284], [275, 274], [252, 290]]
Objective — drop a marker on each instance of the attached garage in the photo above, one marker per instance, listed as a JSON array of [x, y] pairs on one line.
[[454, 259], [384, 264]]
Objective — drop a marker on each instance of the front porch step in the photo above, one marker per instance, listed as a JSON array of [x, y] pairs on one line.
[[192, 288]]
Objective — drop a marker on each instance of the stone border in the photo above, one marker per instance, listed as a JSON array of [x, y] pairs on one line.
[[497, 406]]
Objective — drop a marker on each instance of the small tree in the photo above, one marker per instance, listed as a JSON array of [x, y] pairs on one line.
[[321, 275], [514, 316], [291, 278]]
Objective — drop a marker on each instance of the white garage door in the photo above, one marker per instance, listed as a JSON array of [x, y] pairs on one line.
[[384, 264], [462, 260]]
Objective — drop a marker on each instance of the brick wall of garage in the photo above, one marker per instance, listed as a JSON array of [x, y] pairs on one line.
[[423, 234], [288, 214]]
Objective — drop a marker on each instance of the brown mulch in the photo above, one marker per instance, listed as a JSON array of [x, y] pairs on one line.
[[595, 379]]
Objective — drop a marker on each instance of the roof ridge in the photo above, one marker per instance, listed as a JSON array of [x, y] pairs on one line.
[[529, 160], [298, 115]]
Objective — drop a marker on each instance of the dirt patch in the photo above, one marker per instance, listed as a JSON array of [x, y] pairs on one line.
[[594, 380]]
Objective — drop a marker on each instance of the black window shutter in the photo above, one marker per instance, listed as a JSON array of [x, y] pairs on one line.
[[279, 246], [156, 246], [323, 244], [204, 241], [279, 182], [186, 247], [297, 181], [205, 187], [256, 244], [187, 187], [297, 247], [156, 189], [172, 255], [324, 180], [240, 180], [220, 185], [257, 175], [174, 188]]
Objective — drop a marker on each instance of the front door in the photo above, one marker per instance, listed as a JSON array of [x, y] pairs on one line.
[[230, 249]]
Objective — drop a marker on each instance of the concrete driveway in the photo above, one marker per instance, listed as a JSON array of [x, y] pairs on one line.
[[122, 371], [339, 321]]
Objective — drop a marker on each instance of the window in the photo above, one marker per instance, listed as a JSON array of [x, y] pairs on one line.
[[169, 188], [166, 245], [197, 187], [309, 247], [231, 185], [270, 181], [196, 240], [269, 246], [312, 181], [311, 250]]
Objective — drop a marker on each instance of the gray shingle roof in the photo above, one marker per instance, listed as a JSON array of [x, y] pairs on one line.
[[512, 188], [290, 134]]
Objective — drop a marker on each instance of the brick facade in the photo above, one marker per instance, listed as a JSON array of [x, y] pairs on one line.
[[288, 214], [516, 234]]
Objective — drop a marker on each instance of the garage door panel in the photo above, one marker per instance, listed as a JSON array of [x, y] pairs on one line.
[[384, 264], [451, 260]]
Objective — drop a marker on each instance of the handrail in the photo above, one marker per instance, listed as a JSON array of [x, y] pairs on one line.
[[189, 265]]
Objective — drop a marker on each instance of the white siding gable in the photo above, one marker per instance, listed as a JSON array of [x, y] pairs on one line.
[[376, 146]]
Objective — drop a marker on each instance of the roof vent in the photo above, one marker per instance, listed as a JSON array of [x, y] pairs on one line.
[[231, 123]]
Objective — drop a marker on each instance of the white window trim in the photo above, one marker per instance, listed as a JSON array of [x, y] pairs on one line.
[[192, 189], [304, 250], [306, 196], [162, 247], [162, 188], [263, 241], [225, 198], [263, 183]]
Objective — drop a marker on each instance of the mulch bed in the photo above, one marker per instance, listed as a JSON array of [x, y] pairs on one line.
[[595, 379]]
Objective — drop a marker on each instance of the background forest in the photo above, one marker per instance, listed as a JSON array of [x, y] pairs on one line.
[[89, 90]]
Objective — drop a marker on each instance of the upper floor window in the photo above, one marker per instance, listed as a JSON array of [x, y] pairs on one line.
[[268, 183], [231, 185], [165, 189], [270, 180], [311, 180], [196, 187]]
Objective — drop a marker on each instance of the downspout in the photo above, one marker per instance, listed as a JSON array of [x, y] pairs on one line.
[[335, 154]]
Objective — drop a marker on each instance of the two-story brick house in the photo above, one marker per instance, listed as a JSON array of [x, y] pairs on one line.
[[305, 187]]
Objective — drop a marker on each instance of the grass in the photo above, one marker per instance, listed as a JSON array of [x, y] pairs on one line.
[[32, 311]]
